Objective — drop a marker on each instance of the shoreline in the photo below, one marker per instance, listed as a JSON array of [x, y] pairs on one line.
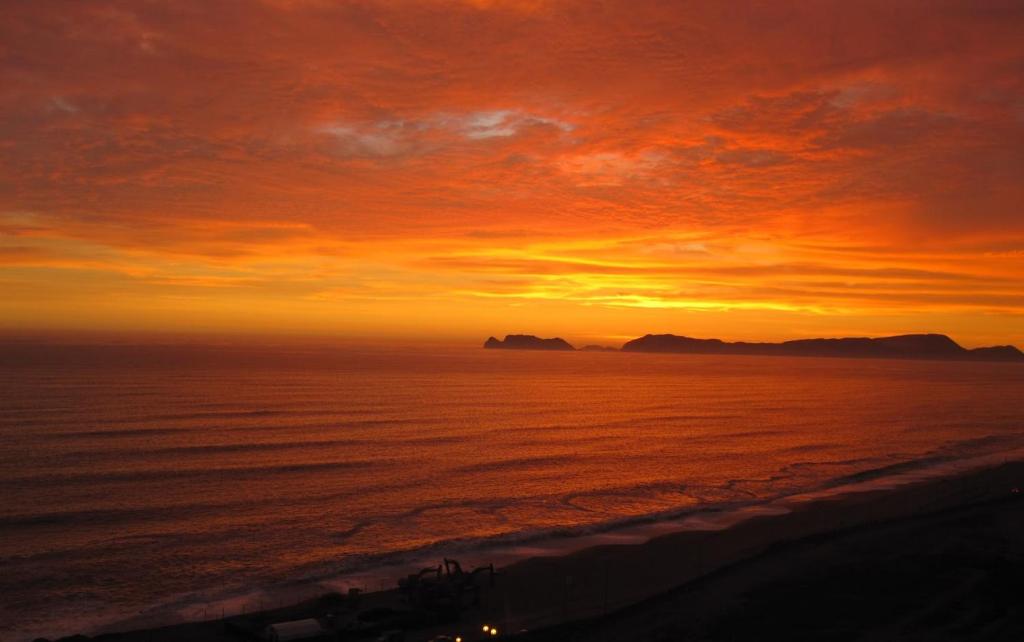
[[946, 573], [634, 573], [547, 591]]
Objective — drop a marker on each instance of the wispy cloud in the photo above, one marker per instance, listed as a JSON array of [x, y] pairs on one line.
[[433, 134]]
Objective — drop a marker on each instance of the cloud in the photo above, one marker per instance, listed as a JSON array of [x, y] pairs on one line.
[[432, 134], [383, 140], [366, 135]]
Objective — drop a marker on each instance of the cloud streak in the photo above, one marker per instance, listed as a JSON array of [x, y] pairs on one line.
[[804, 159]]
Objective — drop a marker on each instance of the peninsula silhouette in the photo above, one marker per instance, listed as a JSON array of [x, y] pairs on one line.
[[906, 346]]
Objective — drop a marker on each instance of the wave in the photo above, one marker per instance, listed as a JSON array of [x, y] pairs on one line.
[[195, 474], [200, 449], [357, 568], [619, 423], [128, 432], [249, 428], [518, 463], [699, 497], [564, 539]]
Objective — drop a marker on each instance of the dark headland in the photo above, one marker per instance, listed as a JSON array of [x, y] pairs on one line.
[[907, 346], [527, 342]]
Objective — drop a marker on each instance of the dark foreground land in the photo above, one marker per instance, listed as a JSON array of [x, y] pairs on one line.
[[940, 559], [955, 574]]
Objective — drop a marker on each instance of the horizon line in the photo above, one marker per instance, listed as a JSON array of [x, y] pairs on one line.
[[143, 337]]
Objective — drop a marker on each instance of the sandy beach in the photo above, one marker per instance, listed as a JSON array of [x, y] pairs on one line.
[[930, 559], [942, 560]]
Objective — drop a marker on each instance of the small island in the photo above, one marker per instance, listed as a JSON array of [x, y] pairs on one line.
[[527, 342]]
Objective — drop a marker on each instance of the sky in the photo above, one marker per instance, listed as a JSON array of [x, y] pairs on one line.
[[453, 169]]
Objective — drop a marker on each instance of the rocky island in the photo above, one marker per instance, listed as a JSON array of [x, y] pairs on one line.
[[527, 342]]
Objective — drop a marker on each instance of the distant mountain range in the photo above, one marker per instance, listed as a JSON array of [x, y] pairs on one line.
[[907, 346]]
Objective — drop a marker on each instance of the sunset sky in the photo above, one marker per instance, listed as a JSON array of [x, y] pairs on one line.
[[453, 169]]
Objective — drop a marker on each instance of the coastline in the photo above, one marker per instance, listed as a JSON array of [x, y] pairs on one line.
[[949, 571], [607, 582]]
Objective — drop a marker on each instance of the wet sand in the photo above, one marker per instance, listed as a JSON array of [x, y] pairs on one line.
[[933, 559]]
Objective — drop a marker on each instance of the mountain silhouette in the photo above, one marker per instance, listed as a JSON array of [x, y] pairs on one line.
[[907, 346], [527, 342]]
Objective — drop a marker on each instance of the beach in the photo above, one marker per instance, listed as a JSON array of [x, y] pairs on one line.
[[932, 558], [939, 560]]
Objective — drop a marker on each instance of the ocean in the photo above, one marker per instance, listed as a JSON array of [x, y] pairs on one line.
[[158, 483]]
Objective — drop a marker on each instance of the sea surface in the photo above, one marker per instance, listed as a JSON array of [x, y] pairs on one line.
[[169, 482]]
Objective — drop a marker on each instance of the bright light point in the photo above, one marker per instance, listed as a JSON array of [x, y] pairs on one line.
[[494, 631], [486, 628]]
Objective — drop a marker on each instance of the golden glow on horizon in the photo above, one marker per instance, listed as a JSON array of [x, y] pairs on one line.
[[462, 169]]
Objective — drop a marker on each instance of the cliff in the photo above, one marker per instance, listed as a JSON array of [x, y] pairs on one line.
[[527, 342]]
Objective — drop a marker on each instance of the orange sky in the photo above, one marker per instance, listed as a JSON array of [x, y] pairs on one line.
[[454, 169]]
